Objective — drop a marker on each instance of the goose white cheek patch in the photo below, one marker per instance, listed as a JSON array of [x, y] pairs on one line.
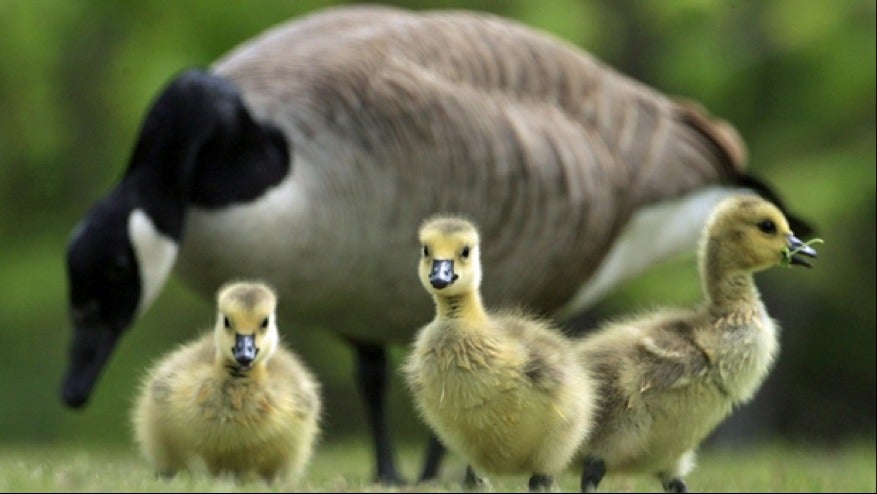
[[155, 253]]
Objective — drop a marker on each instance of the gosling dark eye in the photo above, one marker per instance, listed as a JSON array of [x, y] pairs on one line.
[[767, 226], [425, 251], [264, 323], [465, 253], [226, 322]]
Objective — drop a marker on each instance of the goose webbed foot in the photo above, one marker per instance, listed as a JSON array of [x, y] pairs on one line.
[[592, 473], [165, 474], [675, 485], [540, 483]]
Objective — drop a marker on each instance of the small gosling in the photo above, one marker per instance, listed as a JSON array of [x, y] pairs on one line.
[[503, 390], [668, 378], [235, 398]]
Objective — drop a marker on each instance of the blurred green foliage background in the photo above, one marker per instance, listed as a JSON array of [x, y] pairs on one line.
[[796, 78]]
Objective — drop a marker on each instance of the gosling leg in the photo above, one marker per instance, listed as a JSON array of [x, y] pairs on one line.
[[371, 378], [592, 473], [540, 483], [435, 451]]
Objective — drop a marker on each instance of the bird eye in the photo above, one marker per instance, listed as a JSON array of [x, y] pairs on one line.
[[264, 323], [465, 253], [226, 322], [767, 226], [425, 251]]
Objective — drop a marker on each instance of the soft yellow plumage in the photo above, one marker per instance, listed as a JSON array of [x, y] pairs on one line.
[[502, 389], [234, 399], [667, 378]]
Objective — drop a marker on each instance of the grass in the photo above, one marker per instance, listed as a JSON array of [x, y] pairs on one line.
[[346, 467]]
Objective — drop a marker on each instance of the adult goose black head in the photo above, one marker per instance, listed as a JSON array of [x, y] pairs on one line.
[[198, 146]]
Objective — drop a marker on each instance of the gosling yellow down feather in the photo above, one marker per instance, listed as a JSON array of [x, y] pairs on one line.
[[503, 390], [669, 377], [234, 399]]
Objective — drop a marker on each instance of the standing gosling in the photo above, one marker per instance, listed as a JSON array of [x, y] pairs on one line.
[[503, 390], [668, 378], [235, 398]]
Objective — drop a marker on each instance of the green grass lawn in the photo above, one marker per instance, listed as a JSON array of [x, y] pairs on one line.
[[346, 467]]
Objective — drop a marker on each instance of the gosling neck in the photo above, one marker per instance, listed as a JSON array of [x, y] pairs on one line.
[[728, 289], [465, 306]]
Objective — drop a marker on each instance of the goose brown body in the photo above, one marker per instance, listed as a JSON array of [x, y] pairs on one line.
[[502, 389], [667, 378], [385, 107], [200, 406]]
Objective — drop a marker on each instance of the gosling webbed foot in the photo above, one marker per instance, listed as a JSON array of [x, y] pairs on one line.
[[675, 485], [474, 482], [593, 471], [540, 483]]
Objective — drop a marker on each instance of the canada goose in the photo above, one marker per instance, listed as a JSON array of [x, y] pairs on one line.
[[503, 389], [234, 398], [298, 149], [669, 377]]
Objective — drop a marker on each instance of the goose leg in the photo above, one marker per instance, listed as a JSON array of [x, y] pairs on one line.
[[592, 473], [371, 377], [540, 483], [435, 451], [675, 485]]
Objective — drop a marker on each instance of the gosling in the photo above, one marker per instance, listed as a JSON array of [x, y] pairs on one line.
[[668, 378], [503, 390], [234, 399]]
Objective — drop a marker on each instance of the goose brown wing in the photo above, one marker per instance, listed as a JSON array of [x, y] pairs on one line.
[[457, 111]]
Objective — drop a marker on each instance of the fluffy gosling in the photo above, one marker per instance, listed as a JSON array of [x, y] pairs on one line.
[[668, 378], [503, 389], [234, 399]]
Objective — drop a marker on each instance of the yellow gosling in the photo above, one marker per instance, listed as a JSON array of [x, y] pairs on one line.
[[234, 399], [669, 377], [503, 390]]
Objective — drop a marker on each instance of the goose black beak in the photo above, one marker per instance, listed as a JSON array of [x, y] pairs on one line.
[[91, 347], [797, 248], [244, 350], [442, 274]]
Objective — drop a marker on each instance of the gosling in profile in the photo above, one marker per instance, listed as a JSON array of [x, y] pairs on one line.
[[234, 399], [503, 390], [668, 378]]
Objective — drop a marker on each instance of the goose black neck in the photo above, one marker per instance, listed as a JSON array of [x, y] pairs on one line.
[[199, 145]]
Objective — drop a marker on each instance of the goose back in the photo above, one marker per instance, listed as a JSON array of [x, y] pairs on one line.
[[392, 115]]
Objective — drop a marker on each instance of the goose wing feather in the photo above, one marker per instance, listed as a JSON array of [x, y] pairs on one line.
[[468, 112]]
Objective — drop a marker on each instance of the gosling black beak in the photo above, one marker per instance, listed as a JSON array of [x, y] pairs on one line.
[[799, 248], [244, 350], [442, 274]]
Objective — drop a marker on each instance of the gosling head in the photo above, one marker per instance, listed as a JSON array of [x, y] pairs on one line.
[[246, 325], [751, 234], [449, 259]]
